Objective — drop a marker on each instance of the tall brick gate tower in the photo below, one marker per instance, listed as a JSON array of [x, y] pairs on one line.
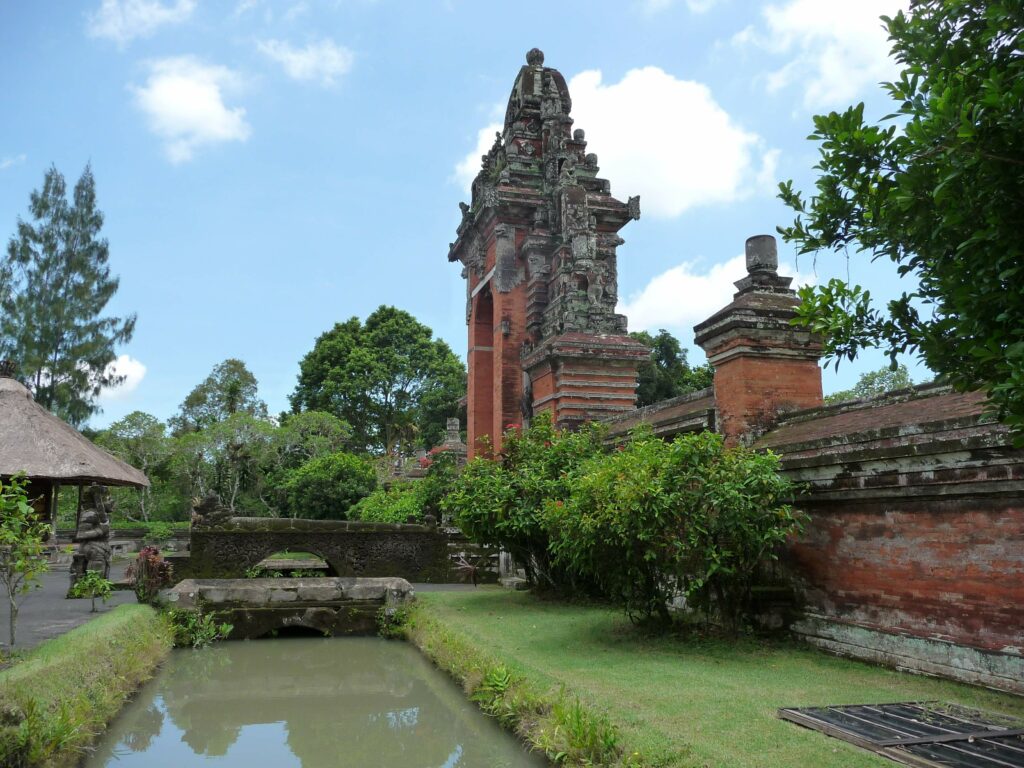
[[537, 244]]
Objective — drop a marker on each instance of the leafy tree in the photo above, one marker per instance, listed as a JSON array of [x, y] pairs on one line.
[[54, 286], [937, 188], [92, 585], [874, 384], [388, 378], [500, 502], [140, 440], [655, 519], [22, 536], [307, 435], [667, 374], [396, 504], [229, 389], [327, 487]]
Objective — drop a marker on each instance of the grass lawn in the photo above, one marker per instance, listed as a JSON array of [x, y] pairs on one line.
[[689, 702]]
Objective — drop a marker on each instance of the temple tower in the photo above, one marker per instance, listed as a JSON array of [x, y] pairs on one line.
[[538, 247]]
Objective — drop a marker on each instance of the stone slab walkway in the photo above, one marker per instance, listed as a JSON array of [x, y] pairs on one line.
[[46, 613]]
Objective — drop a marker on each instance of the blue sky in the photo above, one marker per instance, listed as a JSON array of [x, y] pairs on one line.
[[268, 168]]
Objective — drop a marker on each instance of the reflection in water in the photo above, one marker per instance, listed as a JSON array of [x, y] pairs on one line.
[[309, 703]]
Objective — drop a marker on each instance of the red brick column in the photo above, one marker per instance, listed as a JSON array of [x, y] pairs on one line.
[[763, 365]]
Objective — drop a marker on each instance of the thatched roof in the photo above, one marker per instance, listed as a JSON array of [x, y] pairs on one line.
[[34, 441]]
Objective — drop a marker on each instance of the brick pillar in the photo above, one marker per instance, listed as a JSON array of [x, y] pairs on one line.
[[763, 365]]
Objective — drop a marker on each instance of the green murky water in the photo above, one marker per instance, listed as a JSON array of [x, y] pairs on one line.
[[309, 702]]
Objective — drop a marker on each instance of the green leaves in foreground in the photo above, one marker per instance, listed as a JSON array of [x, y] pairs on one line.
[[940, 193]]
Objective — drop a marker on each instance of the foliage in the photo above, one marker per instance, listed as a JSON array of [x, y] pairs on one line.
[[60, 697], [392, 621], [196, 629], [389, 379], [432, 489], [874, 384], [327, 487], [501, 502], [397, 504], [229, 389], [309, 435], [141, 440], [667, 374], [22, 554], [148, 574], [158, 532], [940, 193], [90, 584], [54, 286], [655, 519]]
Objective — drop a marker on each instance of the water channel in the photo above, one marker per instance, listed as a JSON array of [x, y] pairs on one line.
[[305, 703]]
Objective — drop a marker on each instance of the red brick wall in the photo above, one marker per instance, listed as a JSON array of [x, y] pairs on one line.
[[950, 570]]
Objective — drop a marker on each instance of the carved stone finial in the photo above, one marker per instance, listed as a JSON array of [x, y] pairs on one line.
[[8, 369], [535, 57], [579, 134], [762, 254]]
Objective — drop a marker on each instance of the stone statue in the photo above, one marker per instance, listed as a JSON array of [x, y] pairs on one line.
[[209, 510], [93, 536]]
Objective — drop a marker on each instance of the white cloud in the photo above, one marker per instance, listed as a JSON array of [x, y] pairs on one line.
[[696, 6], [468, 167], [124, 20], [835, 48], [296, 10], [12, 160], [243, 7], [323, 60], [662, 138], [184, 103], [683, 296], [133, 371], [667, 140]]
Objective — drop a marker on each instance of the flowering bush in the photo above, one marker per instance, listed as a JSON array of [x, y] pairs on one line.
[[148, 574]]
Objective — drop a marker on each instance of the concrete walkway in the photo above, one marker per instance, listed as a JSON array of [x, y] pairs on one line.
[[46, 613]]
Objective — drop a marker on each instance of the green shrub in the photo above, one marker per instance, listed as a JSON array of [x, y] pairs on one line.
[[500, 502], [392, 505], [90, 584], [656, 519], [328, 486], [196, 629], [158, 532]]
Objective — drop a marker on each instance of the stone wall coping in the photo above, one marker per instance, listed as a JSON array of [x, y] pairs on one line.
[[664, 405]]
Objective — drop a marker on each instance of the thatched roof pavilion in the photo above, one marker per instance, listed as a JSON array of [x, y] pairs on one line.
[[50, 452]]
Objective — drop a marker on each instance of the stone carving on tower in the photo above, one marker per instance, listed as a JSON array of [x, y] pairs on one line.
[[538, 245]]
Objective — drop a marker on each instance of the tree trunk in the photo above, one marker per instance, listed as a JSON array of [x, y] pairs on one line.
[[14, 616]]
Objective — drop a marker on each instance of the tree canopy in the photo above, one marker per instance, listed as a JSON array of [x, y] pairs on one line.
[[388, 378], [229, 389], [873, 384], [667, 374], [55, 284], [937, 187]]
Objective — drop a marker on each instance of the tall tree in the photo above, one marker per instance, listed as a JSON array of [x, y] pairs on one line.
[[230, 388], [389, 379], [938, 189], [667, 374], [140, 440], [54, 286]]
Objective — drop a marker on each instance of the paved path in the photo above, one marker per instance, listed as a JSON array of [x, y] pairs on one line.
[[46, 613]]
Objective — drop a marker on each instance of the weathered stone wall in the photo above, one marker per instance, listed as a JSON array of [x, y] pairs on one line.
[[914, 551], [413, 552]]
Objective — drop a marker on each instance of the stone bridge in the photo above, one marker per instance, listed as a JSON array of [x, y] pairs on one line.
[[259, 607], [418, 553]]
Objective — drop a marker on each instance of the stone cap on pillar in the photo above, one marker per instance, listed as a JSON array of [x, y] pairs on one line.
[[757, 321]]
